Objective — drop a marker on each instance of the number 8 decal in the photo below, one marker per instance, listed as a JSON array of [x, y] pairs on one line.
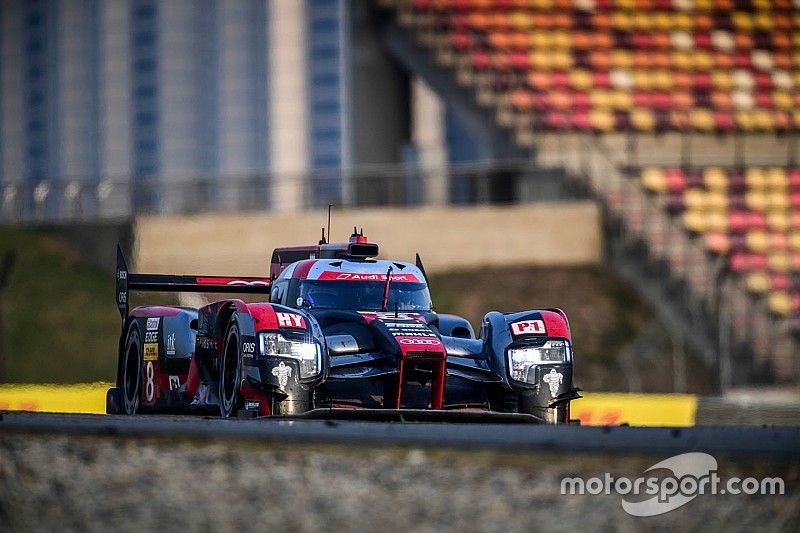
[[150, 387]]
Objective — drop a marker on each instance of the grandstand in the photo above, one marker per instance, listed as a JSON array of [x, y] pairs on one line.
[[681, 118]]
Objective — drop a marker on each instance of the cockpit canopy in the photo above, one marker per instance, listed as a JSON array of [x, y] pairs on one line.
[[352, 285]]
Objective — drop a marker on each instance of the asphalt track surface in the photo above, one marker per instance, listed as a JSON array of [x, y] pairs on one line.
[[776, 442]]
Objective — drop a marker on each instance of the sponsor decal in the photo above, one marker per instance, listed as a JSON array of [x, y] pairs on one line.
[[121, 274], [151, 336], [290, 320], [420, 342], [353, 276], [248, 349], [252, 282], [409, 329], [554, 380], [150, 384], [528, 327], [151, 352], [390, 317], [170, 342], [282, 372], [152, 323], [174, 382], [252, 405], [207, 344]]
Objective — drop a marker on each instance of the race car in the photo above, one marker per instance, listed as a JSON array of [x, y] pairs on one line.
[[340, 332]]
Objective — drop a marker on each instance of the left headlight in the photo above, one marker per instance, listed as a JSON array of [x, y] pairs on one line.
[[521, 361], [308, 354]]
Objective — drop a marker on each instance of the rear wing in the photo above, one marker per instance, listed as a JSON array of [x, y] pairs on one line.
[[127, 281]]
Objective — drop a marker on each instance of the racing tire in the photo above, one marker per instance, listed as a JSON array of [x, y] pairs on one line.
[[131, 379], [230, 370]]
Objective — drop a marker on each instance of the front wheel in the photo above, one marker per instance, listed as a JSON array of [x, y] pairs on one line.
[[230, 398]]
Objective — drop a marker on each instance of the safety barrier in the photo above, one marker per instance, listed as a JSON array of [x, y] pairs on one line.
[[594, 409]]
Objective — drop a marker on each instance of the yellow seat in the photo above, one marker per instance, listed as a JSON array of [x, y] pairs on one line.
[[793, 238], [777, 201], [701, 221], [661, 79], [695, 221], [621, 59], [643, 21], [702, 119], [757, 240], [721, 80], [682, 21], [561, 40], [580, 79], [776, 179], [780, 303], [757, 282], [600, 98], [744, 119], [682, 60], [643, 119], [778, 261], [694, 199], [520, 20], [782, 100], [715, 179], [702, 61], [540, 39], [716, 201], [763, 21], [755, 178], [601, 120], [778, 220], [756, 200], [622, 100], [621, 20], [562, 60], [661, 21], [540, 59], [654, 179], [763, 120]]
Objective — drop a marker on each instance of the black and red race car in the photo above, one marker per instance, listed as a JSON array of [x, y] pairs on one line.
[[341, 333]]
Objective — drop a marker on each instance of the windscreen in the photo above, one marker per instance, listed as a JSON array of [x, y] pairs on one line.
[[365, 295]]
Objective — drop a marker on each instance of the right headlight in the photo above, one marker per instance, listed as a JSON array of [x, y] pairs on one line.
[[521, 361], [308, 354]]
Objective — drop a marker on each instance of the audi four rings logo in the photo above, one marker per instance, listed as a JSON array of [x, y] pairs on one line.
[[420, 342]]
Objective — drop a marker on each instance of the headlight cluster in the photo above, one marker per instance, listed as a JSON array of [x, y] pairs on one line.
[[521, 361], [308, 354]]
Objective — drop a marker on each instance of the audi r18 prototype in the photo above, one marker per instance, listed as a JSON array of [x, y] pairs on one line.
[[341, 330]]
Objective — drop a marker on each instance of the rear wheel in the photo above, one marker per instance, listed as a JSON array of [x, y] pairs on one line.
[[131, 381], [230, 398]]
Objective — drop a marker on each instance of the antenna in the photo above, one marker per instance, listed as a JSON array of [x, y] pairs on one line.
[[322, 240], [329, 220]]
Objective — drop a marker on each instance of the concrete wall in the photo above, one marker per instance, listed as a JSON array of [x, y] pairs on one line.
[[564, 233]]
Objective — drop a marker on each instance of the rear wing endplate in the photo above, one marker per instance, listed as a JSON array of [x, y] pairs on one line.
[[127, 281]]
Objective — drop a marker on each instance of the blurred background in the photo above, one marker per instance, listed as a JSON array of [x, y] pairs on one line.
[[633, 162]]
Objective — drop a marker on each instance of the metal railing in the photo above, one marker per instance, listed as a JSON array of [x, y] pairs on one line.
[[83, 200]]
